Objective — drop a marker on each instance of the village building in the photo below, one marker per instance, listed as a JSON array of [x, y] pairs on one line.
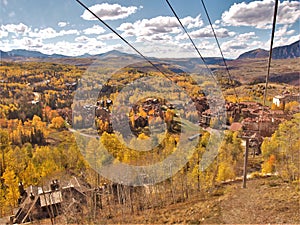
[[285, 98]]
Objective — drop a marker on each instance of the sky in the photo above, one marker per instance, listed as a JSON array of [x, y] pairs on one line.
[[65, 27]]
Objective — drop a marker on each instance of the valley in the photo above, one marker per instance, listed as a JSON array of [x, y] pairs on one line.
[[69, 119]]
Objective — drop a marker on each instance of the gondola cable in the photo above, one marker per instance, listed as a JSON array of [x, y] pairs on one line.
[[270, 52], [269, 63], [123, 39], [193, 43], [216, 38]]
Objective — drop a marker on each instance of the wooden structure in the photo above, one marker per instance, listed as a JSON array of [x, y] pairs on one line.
[[39, 204]]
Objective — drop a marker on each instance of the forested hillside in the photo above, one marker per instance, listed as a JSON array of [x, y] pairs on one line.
[[38, 143]]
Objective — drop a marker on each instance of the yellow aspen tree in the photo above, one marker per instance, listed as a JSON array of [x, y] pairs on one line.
[[12, 192], [57, 123]]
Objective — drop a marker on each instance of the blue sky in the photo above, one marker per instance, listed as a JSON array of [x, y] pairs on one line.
[[64, 27]]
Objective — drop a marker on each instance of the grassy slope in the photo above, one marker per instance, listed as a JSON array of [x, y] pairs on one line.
[[249, 70], [256, 91], [265, 200]]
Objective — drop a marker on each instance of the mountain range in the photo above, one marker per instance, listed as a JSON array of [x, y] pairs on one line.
[[28, 54], [282, 52]]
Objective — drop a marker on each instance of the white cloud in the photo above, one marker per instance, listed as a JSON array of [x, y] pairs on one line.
[[109, 36], [85, 39], [156, 37], [289, 12], [293, 39], [190, 22], [81, 39], [5, 2], [206, 32], [247, 36], [166, 50], [3, 33], [259, 14], [44, 33], [283, 31], [32, 43], [173, 49], [128, 28], [233, 45], [62, 24], [62, 47], [68, 32], [91, 46], [240, 44], [147, 27], [23, 30], [17, 29], [96, 29], [109, 11], [181, 36], [283, 36], [49, 32], [158, 28], [26, 43]]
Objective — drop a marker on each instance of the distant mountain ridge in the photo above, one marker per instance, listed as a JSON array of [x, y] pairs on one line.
[[281, 52], [37, 54], [287, 51], [189, 62], [29, 54], [256, 53], [115, 53]]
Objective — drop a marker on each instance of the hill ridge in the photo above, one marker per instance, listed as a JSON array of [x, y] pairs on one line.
[[280, 52]]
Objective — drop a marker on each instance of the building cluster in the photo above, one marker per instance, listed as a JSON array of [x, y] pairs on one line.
[[254, 119], [261, 121], [251, 118], [285, 98], [252, 115]]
